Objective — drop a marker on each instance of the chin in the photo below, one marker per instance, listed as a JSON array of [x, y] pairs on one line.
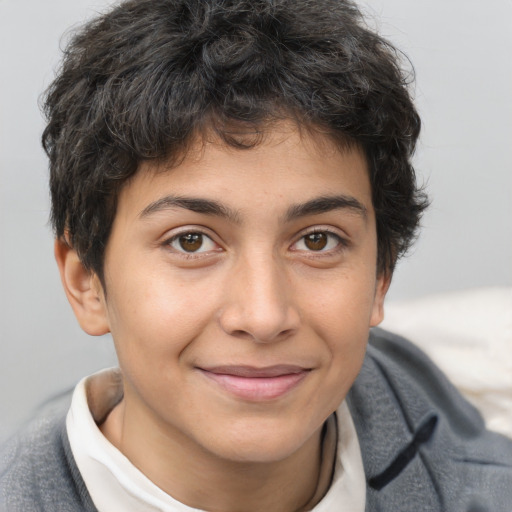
[[259, 442]]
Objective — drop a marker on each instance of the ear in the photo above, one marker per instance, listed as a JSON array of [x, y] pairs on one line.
[[83, 290], [383, 282]]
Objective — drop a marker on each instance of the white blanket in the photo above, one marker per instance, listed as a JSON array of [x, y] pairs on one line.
[[468, 335]]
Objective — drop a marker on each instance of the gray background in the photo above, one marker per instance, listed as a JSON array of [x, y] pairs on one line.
[[461, 50]]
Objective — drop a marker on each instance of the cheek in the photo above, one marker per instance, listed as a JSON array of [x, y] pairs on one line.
[[340, 315], [158, 312], [343, 303]]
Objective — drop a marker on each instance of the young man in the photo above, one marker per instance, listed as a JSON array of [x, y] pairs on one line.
[[231, 188]]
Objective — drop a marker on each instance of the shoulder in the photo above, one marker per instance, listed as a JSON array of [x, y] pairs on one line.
[[418, 433], [37, 470], [413, 378]]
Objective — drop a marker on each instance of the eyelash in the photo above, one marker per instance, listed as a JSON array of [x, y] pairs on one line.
[[193, 254], [341, 244]]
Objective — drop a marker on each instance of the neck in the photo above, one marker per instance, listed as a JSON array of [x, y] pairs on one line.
[[200, 479]]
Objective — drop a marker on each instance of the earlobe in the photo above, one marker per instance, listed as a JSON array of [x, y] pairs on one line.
[[383, 282], [83, 290]]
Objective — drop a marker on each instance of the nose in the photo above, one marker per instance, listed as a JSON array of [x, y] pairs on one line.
[[259, 302]]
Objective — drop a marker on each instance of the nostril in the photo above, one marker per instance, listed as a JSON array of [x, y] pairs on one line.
[[239, 333], [259, 337], [286, 333]]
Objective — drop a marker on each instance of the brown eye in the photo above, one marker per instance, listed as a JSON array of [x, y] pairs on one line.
[[316, 241], [193, 242]]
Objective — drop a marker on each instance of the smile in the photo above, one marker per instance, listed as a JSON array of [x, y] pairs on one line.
[[256, 384]]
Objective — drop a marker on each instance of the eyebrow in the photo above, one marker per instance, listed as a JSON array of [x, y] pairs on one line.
[[315, 206], [326, 204], [198, 205]]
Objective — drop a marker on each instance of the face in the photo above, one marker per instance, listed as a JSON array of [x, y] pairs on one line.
[[240, 288]]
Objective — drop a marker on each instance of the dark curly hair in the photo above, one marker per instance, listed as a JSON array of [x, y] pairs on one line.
[[142, 81]]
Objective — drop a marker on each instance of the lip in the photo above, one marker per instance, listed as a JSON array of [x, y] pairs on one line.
[[256, 384]]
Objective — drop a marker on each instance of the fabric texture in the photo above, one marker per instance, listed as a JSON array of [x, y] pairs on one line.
[[468, 334], [423, 446]]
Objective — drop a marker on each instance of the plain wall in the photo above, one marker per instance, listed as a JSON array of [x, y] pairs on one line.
[[461, 52]]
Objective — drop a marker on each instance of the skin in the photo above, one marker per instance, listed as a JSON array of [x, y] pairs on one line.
[[253, 289]]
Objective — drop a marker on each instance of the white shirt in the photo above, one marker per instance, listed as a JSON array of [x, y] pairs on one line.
[[115, 484]]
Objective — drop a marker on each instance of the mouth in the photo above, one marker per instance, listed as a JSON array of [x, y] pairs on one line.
[[256, 384]]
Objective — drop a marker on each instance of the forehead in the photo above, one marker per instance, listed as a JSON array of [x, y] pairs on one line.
[[286, 166]]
